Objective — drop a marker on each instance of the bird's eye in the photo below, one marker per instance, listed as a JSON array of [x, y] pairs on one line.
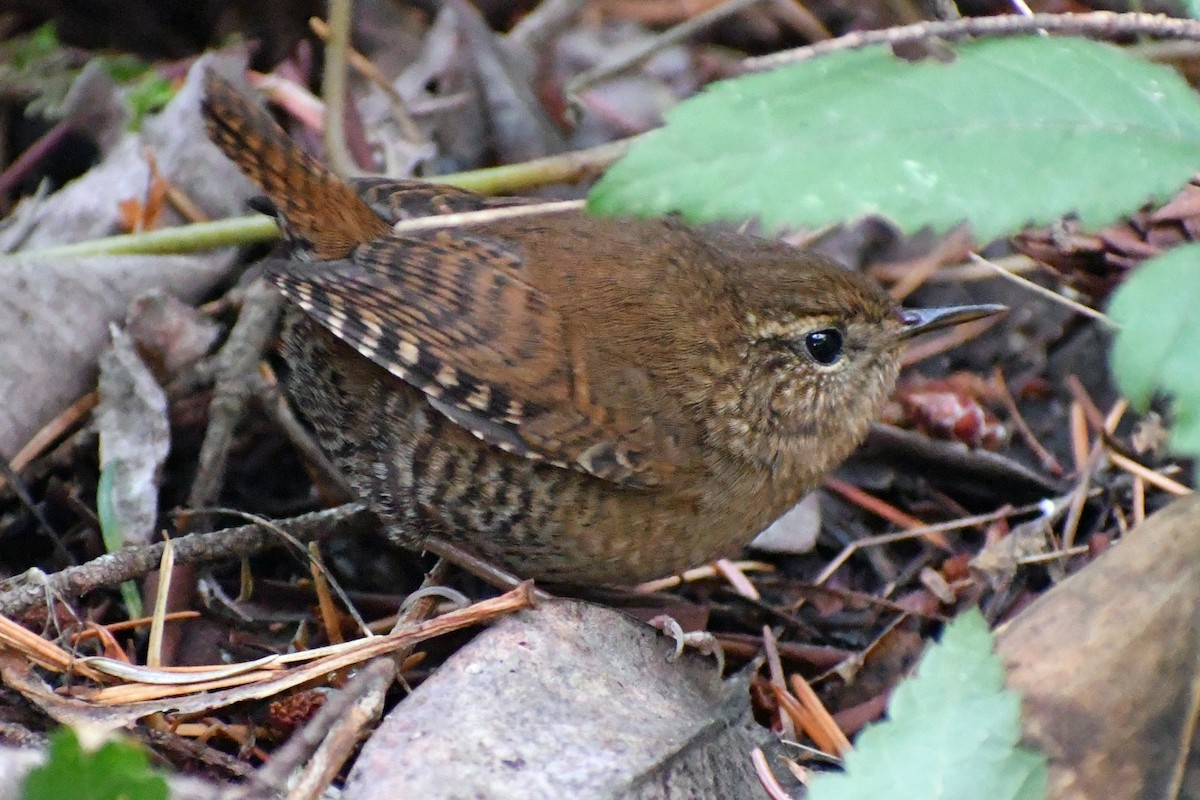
[[825, 345]]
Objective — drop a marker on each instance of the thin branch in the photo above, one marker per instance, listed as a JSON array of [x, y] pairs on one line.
[[1103, 24], [22, 592], [1049, 294], [333, 88], [238, 361], [623, 61], [409, 130], [464, 218], [326, 741], [540, 25], [569, 167]]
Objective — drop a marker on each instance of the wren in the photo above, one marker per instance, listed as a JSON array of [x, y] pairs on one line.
[[577, 399]]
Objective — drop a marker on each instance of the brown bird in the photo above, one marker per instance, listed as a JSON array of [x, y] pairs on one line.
[[577, 399]]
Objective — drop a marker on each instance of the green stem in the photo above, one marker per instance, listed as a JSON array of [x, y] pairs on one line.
[[168, 241], [510, 178]]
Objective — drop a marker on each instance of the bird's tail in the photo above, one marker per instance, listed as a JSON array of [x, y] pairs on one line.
[[317, 207]]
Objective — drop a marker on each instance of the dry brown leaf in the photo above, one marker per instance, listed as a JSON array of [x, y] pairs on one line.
[[55, 312], [145, 212]]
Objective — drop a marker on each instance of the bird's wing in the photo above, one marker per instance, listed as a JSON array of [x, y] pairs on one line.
[[456, 316]]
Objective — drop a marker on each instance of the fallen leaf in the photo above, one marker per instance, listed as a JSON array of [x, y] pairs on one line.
[[55, 312], [134, 440]]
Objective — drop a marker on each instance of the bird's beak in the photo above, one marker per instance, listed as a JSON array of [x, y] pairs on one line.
[[922, 320]]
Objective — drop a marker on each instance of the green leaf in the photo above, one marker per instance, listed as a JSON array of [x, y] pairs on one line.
[[38, 67], [151, 93], [148, 91], [118, 770], [1014, 131], [112, 535], [1158, 346], [952, 732]]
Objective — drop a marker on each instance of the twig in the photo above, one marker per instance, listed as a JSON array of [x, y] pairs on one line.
[[484, 570], [910, 447], [257, 229], [238, 360], [1148, 475], [766, 777], [333, 88], [560, 168], [273, 674], [328, 739], [1091, 412], [1038, 289], [33, 648], [917, 272], [958, 273], [325, 606], [880, 508], [960, 334], [623, 61], [1083, 490], [1078, 429], [22, 592], [737, 579], [9, 476], [404, 120], [166, 569], [696, 574], [798, 715], [175, 194], [1139, 500], [1080, 495], [1054, 555], [1049, 462], [888, 538], [464, 218], [166, 742], [1104, 24], [71, 416], [29, 159], [540, 25], [168, 241], [129, 625], [196, 694], [361, 704], [775, 676], [836, 741], [803, 21]]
